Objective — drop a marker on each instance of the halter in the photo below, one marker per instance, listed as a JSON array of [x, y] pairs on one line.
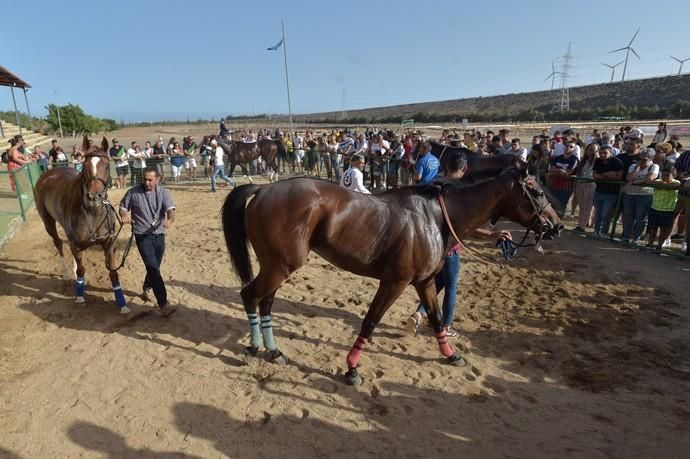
[[538, 212]]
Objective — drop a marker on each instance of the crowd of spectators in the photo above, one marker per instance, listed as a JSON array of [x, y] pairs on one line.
[[584, 174]]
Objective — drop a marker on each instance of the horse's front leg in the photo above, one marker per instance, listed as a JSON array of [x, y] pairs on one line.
[[120, 300], [387, 293], [80, 287], [428, 295]]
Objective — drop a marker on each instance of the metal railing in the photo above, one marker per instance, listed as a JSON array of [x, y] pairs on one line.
[[17, 189]]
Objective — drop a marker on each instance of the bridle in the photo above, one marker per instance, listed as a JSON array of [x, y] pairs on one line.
[[538, 211], [112, 235]]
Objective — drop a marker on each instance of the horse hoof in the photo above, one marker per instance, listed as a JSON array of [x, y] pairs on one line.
[[352, 378], [80, 300], [278, 358], [456, 360], [250, 354], [125, 310]]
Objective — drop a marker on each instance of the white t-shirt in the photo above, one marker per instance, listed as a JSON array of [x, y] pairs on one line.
[[218, 156], [520, 153], [138, 158], [641, 174], [353, 180]]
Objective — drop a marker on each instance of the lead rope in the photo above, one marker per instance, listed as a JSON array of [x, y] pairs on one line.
[[111, 228], [463, 247]]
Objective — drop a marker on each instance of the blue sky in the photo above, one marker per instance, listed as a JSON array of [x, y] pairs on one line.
[[150, 60]]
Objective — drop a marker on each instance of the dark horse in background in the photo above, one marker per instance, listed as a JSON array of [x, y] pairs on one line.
[[398, 237], [78, 201], [241, 153], [477, 164]]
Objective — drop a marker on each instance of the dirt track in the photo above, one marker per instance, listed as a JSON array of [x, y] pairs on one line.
[[580, 352]]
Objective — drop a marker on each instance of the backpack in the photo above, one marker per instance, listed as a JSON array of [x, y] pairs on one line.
[[5, 157]]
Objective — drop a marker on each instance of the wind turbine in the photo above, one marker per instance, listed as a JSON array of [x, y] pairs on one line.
[[681, 62], [627, 50], [553, 75], [613, 69]]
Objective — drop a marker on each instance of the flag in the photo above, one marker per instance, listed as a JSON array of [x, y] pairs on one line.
[[276, 47]]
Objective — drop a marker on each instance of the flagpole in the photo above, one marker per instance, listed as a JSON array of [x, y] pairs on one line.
[[287, 79]]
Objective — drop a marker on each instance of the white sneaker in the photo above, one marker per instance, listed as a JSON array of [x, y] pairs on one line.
[[666, 244], [684, 247]]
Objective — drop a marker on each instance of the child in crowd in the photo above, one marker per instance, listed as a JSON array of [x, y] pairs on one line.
[[663, 205]]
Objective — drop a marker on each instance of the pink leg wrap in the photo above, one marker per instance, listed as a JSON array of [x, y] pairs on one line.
[[443, 345], [356, 352]]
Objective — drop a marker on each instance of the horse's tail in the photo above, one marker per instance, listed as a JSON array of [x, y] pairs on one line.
[[236, 232]]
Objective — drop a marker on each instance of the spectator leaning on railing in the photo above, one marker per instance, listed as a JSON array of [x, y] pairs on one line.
[[558, 176], [663, 204], [638, 199], [682, 168], [15, 157], [584, 189], [606, 167]]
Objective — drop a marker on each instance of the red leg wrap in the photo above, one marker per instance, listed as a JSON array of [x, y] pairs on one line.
[[356, 352], [443, 345]]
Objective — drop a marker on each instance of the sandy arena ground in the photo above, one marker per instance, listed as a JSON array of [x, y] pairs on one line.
[[580, 352]]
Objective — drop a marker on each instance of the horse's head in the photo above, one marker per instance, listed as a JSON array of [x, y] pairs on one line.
[[95, 173], [530, 206]]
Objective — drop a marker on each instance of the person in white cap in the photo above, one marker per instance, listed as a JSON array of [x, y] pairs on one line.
[[218, 168]]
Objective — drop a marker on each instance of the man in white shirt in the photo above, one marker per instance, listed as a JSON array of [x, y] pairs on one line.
[[517, 150], [137, 157], [353, 179], [218, 166]]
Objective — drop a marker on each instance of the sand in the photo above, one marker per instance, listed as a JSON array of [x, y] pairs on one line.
[[580, 352]]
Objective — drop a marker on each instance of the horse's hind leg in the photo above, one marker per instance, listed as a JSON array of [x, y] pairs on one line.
[[384, 298], [246, 172], [120, 300], [51, 227], [260, 292], [427, 294]]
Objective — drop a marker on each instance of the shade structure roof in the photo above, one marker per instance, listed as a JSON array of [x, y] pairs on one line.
[[8, 78]]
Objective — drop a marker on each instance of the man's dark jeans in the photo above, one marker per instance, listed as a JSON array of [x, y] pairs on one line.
[[152, 247]]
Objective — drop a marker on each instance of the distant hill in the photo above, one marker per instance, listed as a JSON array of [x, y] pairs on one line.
[[645, 98]]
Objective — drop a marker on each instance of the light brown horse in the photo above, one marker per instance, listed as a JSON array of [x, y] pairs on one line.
[[78, 201], [398, 237]]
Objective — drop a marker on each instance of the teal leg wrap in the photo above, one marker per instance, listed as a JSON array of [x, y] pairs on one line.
[[267, 330], [254, 330]]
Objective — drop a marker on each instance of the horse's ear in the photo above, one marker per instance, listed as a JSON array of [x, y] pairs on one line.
[[85, 144], [104, 144]]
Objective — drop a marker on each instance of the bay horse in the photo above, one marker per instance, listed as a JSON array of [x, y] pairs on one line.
[[78, 201], [398, 237], [241, 153]]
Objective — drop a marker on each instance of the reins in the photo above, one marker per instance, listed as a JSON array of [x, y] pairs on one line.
[[125, 252], [463, 247], [508, 247]]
